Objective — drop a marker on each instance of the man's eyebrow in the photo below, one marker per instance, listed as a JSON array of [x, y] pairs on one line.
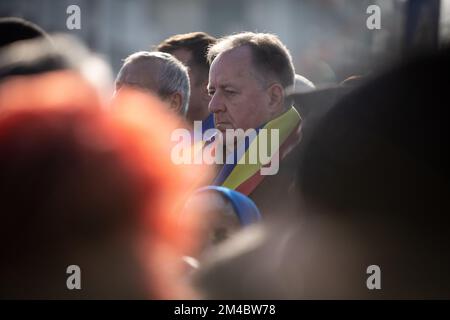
[[227, 84], [222, 86]]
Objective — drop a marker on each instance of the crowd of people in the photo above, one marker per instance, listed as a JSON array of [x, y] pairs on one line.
[[355, 175]]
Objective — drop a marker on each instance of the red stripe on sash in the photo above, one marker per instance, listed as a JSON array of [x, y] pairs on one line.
[[249, 185]]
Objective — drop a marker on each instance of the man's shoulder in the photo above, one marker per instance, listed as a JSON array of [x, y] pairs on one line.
[[280, 186]]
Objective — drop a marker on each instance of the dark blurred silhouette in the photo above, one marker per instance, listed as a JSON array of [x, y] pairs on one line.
[[37, 56], [374, 182]]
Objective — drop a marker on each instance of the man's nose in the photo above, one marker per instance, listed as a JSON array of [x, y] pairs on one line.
[[216, 104]]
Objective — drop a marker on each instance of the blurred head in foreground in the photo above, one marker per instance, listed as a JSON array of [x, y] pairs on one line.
[[221, 212], [158, 73], [38, 56], [14, 29], [79, 186]]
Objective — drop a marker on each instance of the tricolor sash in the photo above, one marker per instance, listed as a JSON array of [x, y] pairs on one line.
[[208, 123], [245, 177]]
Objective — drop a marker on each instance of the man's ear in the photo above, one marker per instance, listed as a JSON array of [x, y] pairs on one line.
[[276, 98], [175, 102]]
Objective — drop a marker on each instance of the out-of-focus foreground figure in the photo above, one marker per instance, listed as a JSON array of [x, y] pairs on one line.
[[40, 55], [221, 213], [14, 29], [79, 186]]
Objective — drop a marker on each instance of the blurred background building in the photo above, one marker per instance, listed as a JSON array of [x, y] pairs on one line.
[[328, 39]]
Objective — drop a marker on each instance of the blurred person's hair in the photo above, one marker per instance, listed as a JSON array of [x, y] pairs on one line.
[[14, 29], [195, 42], [364, 136], [36, 56], [33, 57], [271, 59], [223, 211], [79, 186], [169, 75]]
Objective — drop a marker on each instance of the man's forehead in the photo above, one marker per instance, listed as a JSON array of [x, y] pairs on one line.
[[141, 69], [140, 74], [232, 65]]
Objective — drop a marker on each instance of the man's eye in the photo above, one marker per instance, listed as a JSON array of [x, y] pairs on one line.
[[230, 92]]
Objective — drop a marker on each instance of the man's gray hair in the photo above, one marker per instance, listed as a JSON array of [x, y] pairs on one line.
[[271, 58], [168, 75]]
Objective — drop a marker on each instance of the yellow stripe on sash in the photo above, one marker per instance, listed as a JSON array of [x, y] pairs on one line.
[[285, 123]]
